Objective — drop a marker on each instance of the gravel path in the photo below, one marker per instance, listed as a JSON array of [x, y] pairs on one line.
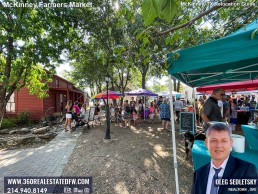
[[137, 160]]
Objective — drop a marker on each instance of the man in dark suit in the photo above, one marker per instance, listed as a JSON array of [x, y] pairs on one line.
[[223, 164]]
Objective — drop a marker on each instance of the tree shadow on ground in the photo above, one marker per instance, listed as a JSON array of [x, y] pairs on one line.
[[137, 160]]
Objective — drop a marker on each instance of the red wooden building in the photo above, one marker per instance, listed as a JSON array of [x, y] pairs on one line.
[[60, 91]]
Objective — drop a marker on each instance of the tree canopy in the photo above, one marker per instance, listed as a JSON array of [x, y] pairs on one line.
[[138, 35]]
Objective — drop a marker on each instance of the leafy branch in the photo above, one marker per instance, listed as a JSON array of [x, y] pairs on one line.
[[190, 22]]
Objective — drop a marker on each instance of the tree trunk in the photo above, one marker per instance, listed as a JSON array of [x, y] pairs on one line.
[[99, 89], [92, 91], [174, 83], [143, 82], [144, 73], [113, 89], [3, 104], [4, 97], [178, 86]]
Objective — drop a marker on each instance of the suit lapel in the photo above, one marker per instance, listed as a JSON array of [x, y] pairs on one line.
[[205, 176], [228, 171], [229, 167]]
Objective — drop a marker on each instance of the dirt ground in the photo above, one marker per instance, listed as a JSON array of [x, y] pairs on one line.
[[137, 160]]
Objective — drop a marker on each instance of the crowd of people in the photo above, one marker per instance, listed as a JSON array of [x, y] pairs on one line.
[[218, 107], [134, 111]]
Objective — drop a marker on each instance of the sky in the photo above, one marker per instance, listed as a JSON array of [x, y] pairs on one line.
[[62, 68], [67, 67]]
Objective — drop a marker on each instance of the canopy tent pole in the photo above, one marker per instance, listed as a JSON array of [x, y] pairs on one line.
[[195, 120], [144, 108], [173, 134]]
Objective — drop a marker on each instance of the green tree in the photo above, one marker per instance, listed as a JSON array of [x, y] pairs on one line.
[[30, 37], [104, 50], [159, 88], [193, 13], [122, 37], [184, 22]]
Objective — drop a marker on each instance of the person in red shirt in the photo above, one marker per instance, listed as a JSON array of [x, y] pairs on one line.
[[76, 112], [76, 107], [151, 112]]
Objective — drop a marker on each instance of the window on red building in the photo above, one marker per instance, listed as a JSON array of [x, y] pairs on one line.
[[10, 107], [57, 83]]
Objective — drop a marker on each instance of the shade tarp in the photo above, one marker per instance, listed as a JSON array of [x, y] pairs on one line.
[[229, 59], [140, 92], [231, 87]]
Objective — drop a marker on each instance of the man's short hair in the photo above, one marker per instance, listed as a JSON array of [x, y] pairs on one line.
[[217, 90], [218, 127]]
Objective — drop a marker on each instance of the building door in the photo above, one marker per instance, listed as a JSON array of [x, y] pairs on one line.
[[61, 104]]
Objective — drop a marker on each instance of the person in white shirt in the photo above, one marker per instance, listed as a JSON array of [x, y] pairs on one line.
[[178, 106], [220, 104], [222, 165], [83, 110]]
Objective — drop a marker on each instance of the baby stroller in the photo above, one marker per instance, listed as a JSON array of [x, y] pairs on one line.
[[78, 121]]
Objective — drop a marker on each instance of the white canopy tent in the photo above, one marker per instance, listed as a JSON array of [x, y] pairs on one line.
[[166, 93], [244, 92]]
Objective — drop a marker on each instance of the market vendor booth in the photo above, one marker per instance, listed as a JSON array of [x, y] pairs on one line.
[[244, 110], [144, 93]]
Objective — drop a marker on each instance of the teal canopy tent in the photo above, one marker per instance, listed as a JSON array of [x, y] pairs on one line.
[[229, 59]]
